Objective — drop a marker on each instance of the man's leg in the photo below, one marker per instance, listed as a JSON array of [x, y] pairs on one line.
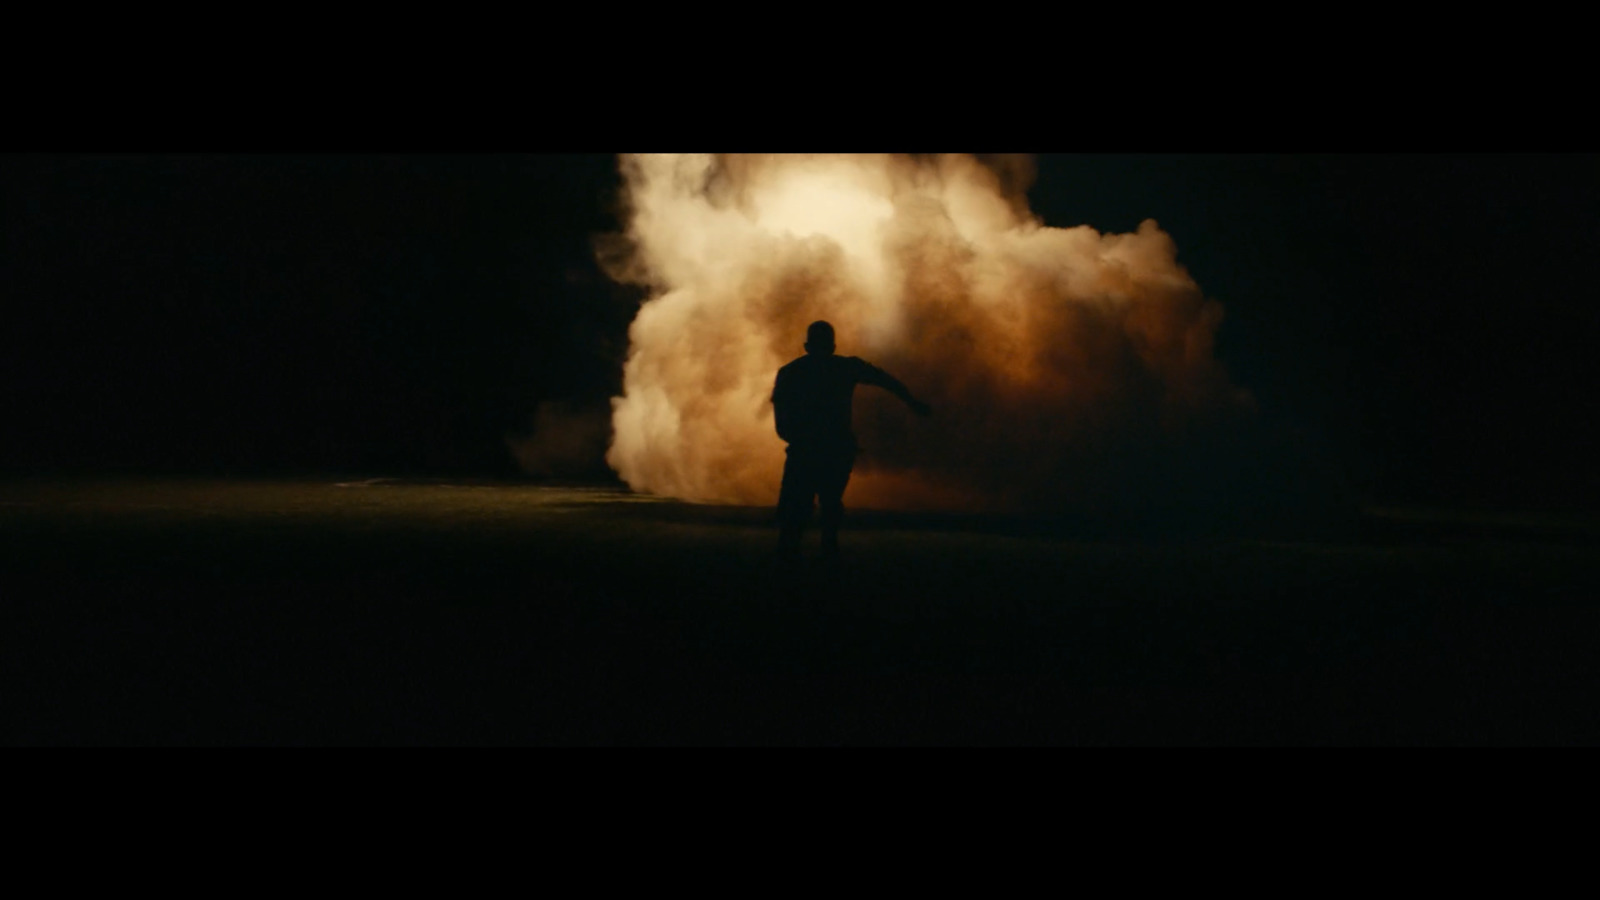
[[830, 490], [794, 503]]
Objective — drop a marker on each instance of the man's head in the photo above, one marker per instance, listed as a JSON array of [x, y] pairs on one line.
[[819, 339]]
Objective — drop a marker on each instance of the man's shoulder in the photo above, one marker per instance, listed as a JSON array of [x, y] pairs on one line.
[[859, 367], [792, 373], [810, 366], [852, 363]]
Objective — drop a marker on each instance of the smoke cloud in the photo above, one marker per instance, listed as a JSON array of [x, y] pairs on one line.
[[1064, 366], [567, 440]]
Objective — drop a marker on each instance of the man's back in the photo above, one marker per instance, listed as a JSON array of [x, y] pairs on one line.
[[812, 398]]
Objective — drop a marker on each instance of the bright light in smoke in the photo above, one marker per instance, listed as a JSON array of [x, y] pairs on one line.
[[1052, 356]]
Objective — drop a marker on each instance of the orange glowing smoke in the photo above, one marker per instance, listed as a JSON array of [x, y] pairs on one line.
[[1056, 359]]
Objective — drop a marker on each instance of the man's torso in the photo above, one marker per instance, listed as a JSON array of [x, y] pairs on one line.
[[812, 399]]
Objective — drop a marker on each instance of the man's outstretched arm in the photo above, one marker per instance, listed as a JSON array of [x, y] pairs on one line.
[[871, 374]]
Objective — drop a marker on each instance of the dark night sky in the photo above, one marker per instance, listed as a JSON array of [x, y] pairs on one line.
[[1428, 319]]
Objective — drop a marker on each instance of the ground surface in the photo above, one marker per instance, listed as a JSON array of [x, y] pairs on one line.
[[378, 612]]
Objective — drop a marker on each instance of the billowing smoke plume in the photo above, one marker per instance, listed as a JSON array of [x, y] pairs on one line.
[[1064, 366], [567, 440]]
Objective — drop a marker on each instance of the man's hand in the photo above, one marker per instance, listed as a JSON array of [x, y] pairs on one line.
[[920, 408]]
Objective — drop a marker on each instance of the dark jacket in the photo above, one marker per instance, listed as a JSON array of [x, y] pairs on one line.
[[812, 398]]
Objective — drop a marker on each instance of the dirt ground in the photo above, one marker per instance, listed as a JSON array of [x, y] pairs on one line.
[[381, 612]]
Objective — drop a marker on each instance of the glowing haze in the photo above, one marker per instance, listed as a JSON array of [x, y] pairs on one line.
[[1057, 360]]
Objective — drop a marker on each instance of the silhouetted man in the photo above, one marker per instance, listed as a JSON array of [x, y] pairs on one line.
[[811, 402]]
